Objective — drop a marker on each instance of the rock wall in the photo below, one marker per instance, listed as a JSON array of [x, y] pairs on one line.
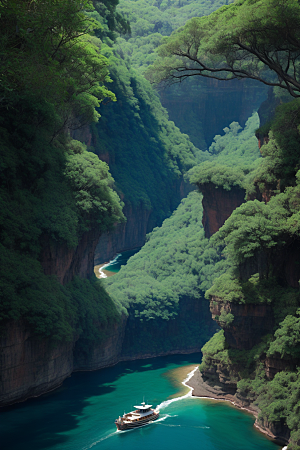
[[30, 366], [125, 236], [139, 222], [218, 205], [187, 333], [202, 108], [64, 262], [250, 323]]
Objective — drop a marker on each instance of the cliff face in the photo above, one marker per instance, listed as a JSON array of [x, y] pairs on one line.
[[250, 323], [218, 205], [64, 262], [125, 236], [139, 222], [184, 334], [31, 366], [202, 108], [87, 357]]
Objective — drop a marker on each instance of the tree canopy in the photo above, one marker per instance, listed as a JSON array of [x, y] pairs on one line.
[[257, 39]]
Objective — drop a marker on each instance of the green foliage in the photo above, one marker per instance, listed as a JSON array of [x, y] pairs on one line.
[[217, 174], [241, 40], [215, 345], [234, 156], [279, 399], [225, 319], [52, 56], [176, 261], [287, 338], [51, 190], [148, 154], [53, 311], [151, 21], [229, 288], [92, 185], [237, 147], [253, 228]]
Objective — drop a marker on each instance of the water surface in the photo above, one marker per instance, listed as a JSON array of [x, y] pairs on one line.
[[80, 415]]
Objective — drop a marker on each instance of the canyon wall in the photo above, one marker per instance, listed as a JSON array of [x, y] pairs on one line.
[[31, 366], [202, 108], [184, 334], [64, 262], [139, 222], [218, 205]]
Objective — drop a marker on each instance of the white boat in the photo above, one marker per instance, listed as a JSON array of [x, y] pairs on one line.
[[142, 415]]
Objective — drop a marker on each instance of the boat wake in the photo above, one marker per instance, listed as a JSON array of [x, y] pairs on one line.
[[100, 440], [189, 394]]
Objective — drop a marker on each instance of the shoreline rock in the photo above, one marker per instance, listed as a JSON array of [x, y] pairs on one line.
[[202, 389]]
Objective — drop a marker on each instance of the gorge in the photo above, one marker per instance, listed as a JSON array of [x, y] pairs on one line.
[[95, 161]]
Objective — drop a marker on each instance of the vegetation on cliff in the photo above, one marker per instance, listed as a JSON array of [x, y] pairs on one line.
[[232, 158], [148, 154], [246, 39], [177, 261], [258, 241], [55, 191], [258, 40], [52, 189]]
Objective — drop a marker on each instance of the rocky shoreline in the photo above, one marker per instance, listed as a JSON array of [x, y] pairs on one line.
[[202, 389]]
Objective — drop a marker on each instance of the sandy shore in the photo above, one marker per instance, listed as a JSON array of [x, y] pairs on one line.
[[204, 390], [107, 273]]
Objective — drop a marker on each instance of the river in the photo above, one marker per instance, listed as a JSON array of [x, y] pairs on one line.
[[80, 415], [113, 266]]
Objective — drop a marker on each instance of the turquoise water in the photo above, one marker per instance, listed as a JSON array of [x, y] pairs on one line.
[[80, 415], [120, 260]]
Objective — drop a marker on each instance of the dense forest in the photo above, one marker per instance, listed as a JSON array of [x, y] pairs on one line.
[[56, 192], [83, 132], [260, 240]]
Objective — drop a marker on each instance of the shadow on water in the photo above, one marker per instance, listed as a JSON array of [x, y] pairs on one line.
[[38, 423]]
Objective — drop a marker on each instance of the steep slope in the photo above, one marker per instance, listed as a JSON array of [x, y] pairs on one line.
[[255, 360], [200, 108]]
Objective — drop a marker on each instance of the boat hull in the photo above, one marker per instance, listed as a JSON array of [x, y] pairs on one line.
[[140, 423]]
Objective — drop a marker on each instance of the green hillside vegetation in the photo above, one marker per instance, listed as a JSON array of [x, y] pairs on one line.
[[176, 261], [258, 235], [151, 21], [52, 188], [144, 177], [233, 158]]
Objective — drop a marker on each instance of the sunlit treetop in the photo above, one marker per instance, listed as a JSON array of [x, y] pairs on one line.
[[257, 39]]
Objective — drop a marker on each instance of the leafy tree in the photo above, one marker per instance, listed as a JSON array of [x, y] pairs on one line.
[[249, 39], [53, 56]]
